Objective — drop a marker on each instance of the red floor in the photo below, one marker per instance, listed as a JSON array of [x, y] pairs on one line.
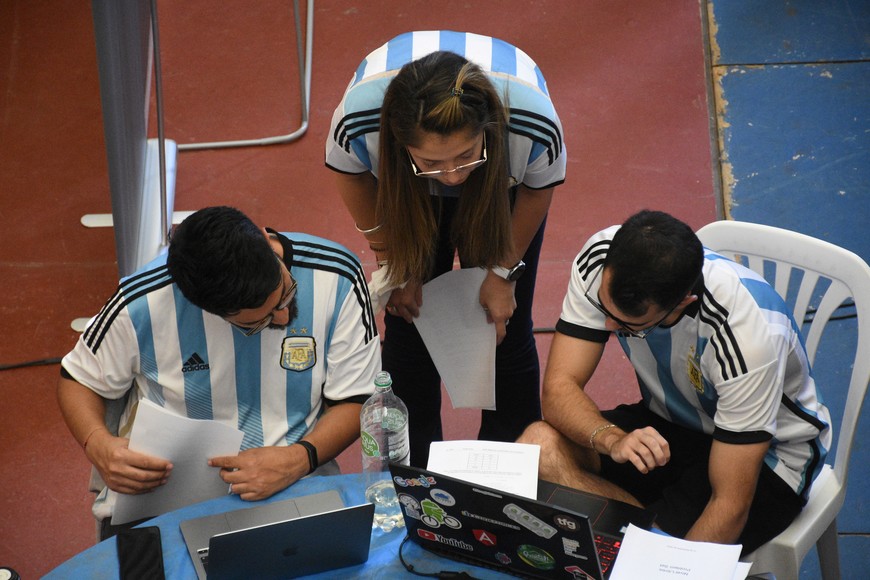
[[627, 78]]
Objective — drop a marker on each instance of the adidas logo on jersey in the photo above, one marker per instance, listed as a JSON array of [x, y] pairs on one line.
[[194, 363]]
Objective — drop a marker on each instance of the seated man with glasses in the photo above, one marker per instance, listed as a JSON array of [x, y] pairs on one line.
[[269, 333], [731, 428]]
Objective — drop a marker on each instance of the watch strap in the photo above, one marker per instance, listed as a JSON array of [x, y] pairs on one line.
[[510, 274], [312, 455]]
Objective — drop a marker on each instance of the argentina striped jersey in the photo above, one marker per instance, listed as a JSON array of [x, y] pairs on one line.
[[271, 385], [537, 153], [733, 366]]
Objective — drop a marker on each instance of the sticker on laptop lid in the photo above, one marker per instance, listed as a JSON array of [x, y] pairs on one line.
[[528, 521]]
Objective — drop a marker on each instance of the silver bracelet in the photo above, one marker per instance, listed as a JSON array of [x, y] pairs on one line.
[[368, 231]]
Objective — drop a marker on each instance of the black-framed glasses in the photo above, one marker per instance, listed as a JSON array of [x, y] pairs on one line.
[[625, 328], [459, 168], [286, 298]]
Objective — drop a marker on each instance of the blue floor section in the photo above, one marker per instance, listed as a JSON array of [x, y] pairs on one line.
[[794, 120], [793, 31], [798, 143]]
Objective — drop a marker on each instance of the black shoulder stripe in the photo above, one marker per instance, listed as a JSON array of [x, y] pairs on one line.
[[723, 356], [728, 353], [594, 255], [351, 259], [348, 267], [127, 286], [348, 139], [553, 127], [351, 116], [555, 140], [548, 145], [352, 120], [356, 130], [362, 297], [97, 340]]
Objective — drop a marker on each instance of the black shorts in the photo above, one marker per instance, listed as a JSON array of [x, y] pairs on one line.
[[679, 491]]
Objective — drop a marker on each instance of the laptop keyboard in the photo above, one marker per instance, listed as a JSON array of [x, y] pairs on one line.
[[608, 547]]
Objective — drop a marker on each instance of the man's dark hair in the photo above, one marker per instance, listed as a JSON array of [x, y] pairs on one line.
[[222, 262], [654, 258]]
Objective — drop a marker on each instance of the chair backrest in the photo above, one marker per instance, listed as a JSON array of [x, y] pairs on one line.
[[819, 279]]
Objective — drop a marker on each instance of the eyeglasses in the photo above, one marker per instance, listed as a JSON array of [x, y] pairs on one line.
[[287, 297], [458, 168], [625, 327]]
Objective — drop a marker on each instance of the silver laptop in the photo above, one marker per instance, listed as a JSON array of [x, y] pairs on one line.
[[282, 539]]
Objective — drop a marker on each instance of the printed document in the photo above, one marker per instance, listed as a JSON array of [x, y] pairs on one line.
[[509, 467], [188, 444], [654, 556]]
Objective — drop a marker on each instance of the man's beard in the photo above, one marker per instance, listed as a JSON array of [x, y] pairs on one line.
[[292, 313]]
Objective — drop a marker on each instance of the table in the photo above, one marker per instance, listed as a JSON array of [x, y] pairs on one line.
[[101, 561]]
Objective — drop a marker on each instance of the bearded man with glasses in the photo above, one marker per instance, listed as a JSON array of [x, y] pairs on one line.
[[731, 428], [269, 333]]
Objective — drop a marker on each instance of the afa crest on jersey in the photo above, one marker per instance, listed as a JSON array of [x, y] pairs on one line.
[[298, 353], [693, 368]]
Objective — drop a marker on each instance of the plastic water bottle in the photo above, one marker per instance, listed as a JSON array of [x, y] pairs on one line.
[[384, 436]]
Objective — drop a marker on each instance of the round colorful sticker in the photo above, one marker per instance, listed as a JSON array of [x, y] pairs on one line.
[[442, 497], [536, 557]]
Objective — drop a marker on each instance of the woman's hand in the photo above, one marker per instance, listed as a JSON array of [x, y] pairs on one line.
[[497, 299], [406, 302]]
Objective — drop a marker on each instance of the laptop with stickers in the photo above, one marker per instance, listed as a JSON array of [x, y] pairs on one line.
[[282, 539], [553, 538]]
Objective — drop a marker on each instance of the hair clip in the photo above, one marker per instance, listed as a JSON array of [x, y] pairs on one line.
[[457, 92]]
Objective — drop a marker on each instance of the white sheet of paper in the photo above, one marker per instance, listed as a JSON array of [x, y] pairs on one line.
[[461, 342], [188, 444], [654, 556], [509, 467]]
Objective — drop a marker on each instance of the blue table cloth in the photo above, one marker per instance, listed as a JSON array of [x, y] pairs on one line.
[[101, 561]]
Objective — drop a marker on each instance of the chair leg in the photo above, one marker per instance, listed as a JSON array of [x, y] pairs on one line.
[[829, 553]]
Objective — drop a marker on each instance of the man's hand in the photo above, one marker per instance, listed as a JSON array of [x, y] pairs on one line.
[[645, 448], [259, 473], [497, 299], [123, 470]]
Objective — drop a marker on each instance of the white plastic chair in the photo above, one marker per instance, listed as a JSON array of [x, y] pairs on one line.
[[763, 247]]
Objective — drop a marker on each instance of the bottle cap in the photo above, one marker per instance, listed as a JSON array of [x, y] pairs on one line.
[[8, 574]]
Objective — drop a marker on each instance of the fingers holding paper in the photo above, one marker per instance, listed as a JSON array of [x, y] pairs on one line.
[[256, 474], [498, 301], [406, 302], [124, 470]]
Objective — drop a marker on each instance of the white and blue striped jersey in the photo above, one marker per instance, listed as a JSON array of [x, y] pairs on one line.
[[271, 385], [733, 366], [537, 154]]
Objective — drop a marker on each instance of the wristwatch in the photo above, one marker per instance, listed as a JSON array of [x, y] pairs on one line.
[[510, 274]]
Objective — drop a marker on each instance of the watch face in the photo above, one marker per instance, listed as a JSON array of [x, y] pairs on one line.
[[516, 272]]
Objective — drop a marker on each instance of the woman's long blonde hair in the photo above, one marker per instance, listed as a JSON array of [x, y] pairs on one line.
[[442, 93]]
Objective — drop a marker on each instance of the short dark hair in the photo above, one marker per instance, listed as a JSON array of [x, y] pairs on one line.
[[221, 261], [654, 258]]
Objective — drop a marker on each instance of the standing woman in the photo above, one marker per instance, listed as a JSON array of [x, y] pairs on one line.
[[444, 143]]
